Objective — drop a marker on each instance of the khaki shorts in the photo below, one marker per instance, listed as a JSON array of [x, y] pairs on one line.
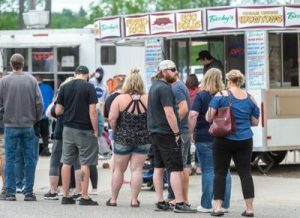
[[1, 144]]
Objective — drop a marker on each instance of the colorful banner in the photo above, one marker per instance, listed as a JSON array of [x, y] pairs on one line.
[[292, 16], [189, 21], [218, 19], [260, 17], [137, 25], [255, 59], [110, 28], [162, 23]]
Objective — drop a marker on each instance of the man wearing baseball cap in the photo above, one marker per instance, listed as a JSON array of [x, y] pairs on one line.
[[209, 61], [163, 125], [77, 102]]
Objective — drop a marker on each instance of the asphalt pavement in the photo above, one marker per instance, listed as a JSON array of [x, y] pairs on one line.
[[276, 196]]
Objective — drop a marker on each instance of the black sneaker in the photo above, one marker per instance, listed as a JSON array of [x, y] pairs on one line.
[[51, 196], [184, 208], [87, 202], [162, 206], [76, 196], [10, 197], [68, 200], [30, 197]]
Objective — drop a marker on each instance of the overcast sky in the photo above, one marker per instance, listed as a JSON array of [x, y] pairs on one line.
[[74, 5]]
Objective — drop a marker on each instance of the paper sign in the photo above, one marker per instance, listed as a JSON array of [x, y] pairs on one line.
[[137, 25], [68, 61], [189, 21], [260, 17], [218, 19], [162, 23]]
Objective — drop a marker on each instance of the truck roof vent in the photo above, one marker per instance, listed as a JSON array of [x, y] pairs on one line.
[[36, 19]]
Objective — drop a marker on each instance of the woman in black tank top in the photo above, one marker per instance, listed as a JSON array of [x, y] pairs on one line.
[[128, 119]]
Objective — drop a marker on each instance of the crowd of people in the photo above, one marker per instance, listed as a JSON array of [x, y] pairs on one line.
[[164, 122]]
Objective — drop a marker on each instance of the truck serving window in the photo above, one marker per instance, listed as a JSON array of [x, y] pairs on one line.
[[8, 52], [67, 59], [283, 58], [108, 55]]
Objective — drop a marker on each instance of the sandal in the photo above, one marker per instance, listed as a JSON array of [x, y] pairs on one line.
[[217, 213], [135, 205], [246, 214], [108, 203]]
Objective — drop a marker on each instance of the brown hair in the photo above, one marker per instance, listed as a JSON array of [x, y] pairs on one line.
[[17, 62], [192, 81], [236, 77], [212, 81]]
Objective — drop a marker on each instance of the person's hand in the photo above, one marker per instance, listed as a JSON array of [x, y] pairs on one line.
[[96, 134]]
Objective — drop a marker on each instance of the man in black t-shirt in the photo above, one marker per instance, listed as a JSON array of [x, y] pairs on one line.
[[77, 101], [209, 62], [163, 125]]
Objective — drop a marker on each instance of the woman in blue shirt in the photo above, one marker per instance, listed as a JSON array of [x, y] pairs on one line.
[[198, 126], [236, 146]]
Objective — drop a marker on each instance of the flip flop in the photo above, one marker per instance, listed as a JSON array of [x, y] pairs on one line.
[[217, 213], [135, 205], [108, 203], [246, 214]]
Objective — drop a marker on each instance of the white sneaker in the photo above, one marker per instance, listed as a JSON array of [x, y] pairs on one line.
[[225, 210], [204, 210], [93, 192]]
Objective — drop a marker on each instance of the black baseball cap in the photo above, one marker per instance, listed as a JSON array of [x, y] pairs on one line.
[[204, 55], [99, 70], [82, 69]]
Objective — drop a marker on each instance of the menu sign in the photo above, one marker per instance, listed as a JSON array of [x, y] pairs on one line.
[[260, 17], [255, 59], [221, 19], [162, 23], [110, 28], [153, 55], [189, 21], [292, 16], [137, 25]]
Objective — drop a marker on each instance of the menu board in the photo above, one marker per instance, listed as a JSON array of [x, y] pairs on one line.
[[137, 25], [260, 17], [292, 16], [189, 21], [218, 19], [255, 59], [110, 28], [162, 23], [153, 55]]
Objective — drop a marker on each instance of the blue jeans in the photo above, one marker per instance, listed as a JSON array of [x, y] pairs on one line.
[[24, 138], [204, 152], [20, 163]]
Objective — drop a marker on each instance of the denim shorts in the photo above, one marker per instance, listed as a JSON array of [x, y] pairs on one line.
[[125, 150]]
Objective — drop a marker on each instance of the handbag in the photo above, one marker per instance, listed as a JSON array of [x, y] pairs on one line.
[[223, 123]]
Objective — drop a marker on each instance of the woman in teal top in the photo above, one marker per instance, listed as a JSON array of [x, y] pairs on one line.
[[238, 145]]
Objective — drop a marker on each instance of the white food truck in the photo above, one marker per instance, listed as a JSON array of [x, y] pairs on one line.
[[261, 41], [55, 53]]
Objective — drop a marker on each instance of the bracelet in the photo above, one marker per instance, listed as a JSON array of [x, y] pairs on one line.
[[177, 134]]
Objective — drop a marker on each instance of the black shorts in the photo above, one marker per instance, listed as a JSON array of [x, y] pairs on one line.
[[167, 152]]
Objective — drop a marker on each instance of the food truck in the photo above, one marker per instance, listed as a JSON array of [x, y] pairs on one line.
[[263, 42], [55, 53]]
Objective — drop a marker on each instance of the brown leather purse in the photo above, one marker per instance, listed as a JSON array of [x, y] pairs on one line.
[[223, 122]]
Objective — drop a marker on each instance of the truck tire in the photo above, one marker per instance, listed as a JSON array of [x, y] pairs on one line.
[[277, 156]]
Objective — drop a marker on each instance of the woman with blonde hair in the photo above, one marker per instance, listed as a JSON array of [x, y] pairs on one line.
[[237, 145], [128, 119], [210, 85]]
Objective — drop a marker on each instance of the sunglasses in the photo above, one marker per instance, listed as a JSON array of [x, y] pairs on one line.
[[173, 69]]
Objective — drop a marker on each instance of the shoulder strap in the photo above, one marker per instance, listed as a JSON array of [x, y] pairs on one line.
[[143, 105], [229, 97], [129, 105]]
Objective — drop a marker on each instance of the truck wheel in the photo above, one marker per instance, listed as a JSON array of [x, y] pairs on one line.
[[277, 156]]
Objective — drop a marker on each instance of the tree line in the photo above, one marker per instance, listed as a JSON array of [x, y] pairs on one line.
[[11, 10]]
